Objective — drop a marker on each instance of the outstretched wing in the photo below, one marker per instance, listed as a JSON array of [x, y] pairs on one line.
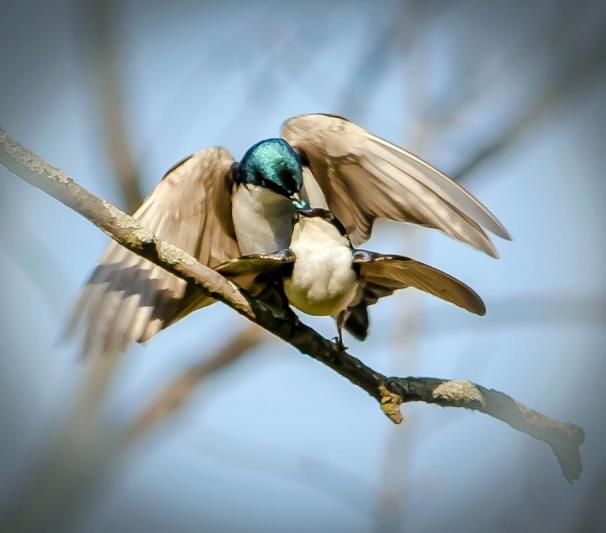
[[388, 273], [256, 264], [261, 275], [382, 275], [130, 299], [364, 177]]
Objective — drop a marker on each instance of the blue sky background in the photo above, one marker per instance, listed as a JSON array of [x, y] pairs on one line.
[[278, 442]]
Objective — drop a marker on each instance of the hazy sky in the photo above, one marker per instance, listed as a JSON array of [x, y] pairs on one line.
[[279, 442]]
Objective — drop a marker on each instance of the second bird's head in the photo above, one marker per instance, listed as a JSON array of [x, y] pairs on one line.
[[273, 164]]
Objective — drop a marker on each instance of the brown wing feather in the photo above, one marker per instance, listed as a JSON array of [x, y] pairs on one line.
[[384, 274], [130, 299], [364, 177], [252, 271]]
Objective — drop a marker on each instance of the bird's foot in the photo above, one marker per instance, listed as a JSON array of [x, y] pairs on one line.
[[294, 321], [339, 342]]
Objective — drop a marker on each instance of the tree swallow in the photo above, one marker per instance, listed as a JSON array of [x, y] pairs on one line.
[[322, 274], [217, 209]]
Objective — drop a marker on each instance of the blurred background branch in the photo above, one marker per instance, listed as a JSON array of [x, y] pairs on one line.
[[101, 18], [173, 396], [575, 67]]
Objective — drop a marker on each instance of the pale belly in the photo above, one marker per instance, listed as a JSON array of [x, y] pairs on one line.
[[262, 220], [322, 283]]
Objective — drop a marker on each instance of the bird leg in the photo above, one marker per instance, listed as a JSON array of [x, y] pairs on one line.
[[341, 318], [339, 339]]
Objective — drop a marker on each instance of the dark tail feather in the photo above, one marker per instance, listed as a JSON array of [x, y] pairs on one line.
[[357, 321]]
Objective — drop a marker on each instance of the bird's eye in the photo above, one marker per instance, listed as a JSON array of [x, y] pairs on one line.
[[261, 179], [287, 180]]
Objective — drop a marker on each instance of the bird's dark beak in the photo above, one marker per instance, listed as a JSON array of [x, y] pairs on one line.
[[297, 202], [311, 212]]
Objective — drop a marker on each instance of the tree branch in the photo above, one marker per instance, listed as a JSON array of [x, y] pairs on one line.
[[578, 66], [103, 57], [563, 438], [172, 396]]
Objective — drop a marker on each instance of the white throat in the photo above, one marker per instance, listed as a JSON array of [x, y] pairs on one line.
[[262, 219]]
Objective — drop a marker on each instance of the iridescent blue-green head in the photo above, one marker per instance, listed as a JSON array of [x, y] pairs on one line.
[[273, 164]]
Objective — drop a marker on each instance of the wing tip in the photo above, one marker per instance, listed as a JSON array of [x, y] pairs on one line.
[[500, 230], [492, 224], [484, 244], [493, 253], [480, 310], [358, 323]]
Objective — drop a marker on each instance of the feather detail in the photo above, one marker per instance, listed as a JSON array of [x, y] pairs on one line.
[[364, 177], [130, 299], [381, 275]]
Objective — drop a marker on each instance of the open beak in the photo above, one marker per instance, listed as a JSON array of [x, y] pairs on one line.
[[297, 202]]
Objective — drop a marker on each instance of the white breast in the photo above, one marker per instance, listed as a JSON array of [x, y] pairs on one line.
[[262, 219], [323, 281]]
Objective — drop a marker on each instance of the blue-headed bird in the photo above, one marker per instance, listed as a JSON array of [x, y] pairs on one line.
[[217, 209]]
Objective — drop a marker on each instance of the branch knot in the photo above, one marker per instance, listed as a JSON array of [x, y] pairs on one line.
[[390, 404]]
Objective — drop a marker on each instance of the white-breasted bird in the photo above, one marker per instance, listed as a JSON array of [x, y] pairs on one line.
[[323, 274], [217, 209]]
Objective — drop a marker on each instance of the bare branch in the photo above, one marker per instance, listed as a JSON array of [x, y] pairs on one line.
[[86, 450], [177, 392], [121, 227], [35, 260], [579, 66], [563, 438], [109, 98], [366, 75]]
